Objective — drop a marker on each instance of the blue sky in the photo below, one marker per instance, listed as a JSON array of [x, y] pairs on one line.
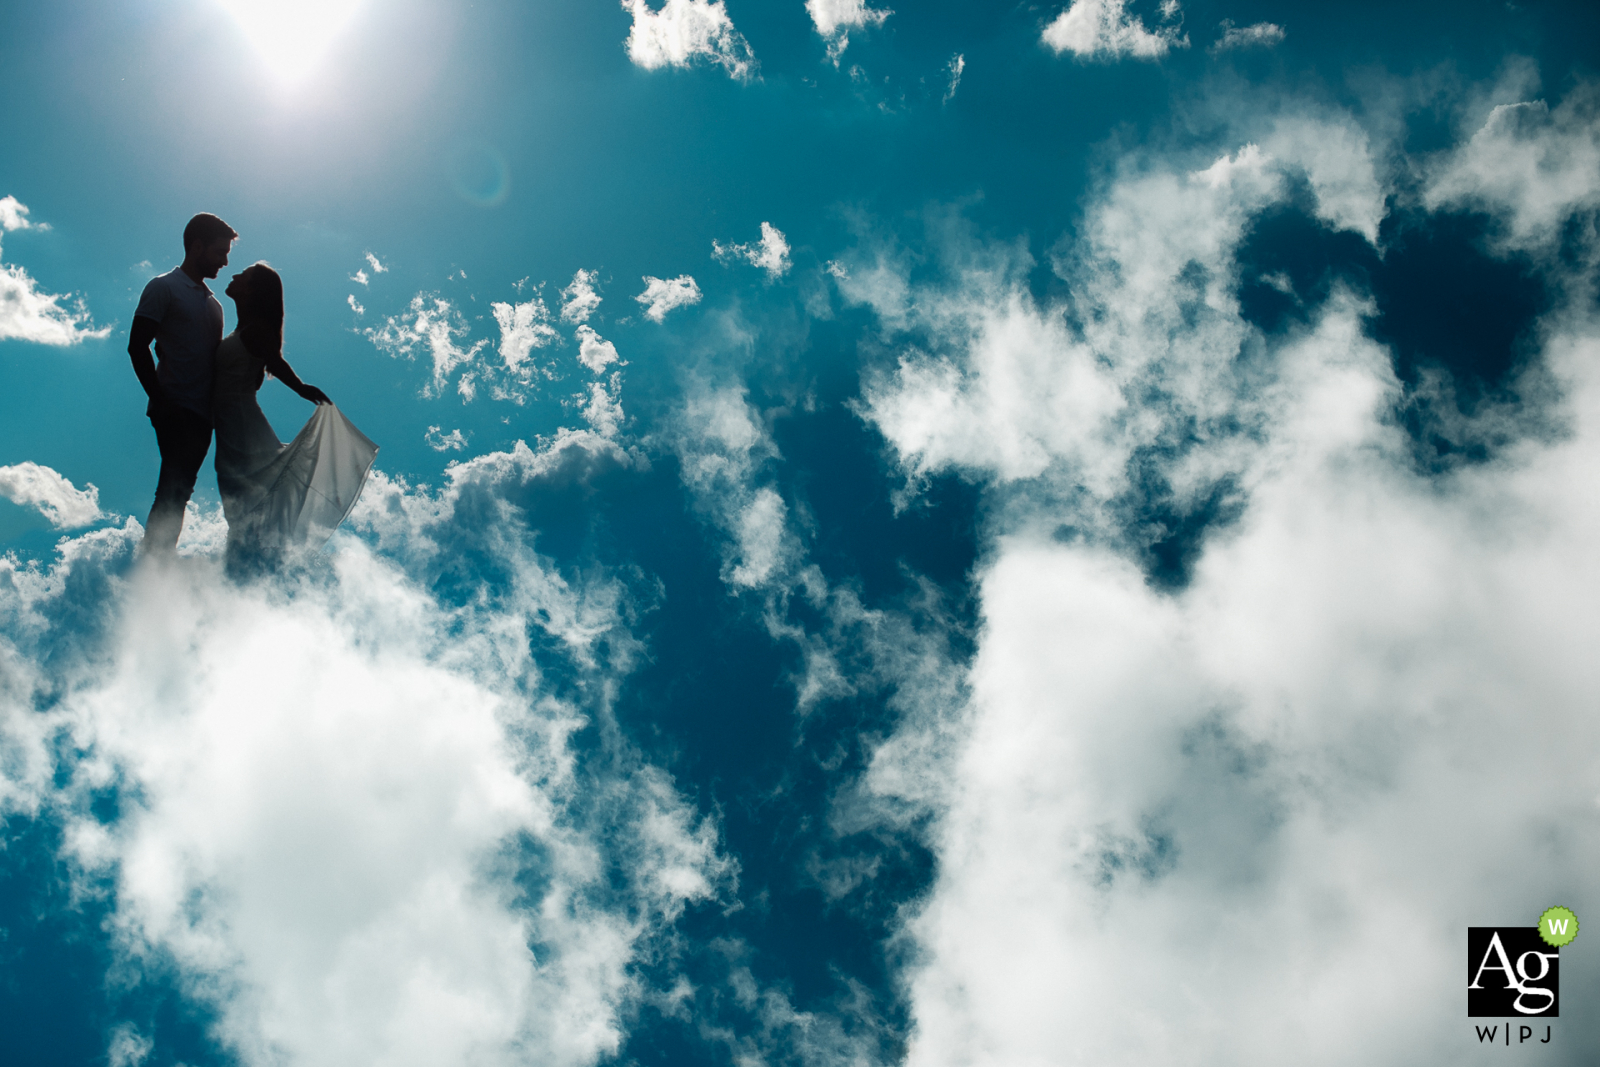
[[946, 535]]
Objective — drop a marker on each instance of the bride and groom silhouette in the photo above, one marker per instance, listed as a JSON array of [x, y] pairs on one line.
[[274, 496]]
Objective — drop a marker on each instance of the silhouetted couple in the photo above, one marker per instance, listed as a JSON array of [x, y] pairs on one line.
[[274, 496]]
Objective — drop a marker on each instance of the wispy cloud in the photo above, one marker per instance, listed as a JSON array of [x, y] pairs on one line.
[[953, 70], [1532, 165], [682, 32], [1256, 35], [65, 505], [662, 295], [771, 253], [436, 324], [440, 441], [1105, 29]]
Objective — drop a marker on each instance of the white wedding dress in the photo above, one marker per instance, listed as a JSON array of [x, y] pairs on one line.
[[277, 496]]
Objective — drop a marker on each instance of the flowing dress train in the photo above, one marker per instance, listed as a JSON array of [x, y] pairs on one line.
[[276, 496]]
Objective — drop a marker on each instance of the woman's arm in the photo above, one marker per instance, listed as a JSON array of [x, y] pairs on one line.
[[283, 372]]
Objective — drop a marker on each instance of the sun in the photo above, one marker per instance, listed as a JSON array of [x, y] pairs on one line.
[[291, 36]]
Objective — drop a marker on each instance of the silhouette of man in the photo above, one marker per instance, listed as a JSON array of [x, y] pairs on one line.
[[184, 318]]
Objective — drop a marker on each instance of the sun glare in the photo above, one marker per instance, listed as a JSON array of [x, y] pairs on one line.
[[291, 36]]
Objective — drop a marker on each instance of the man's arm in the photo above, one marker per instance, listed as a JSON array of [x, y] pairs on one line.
[[144, 364]]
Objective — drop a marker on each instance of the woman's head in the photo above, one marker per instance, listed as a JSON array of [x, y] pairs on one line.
[[257, 292]]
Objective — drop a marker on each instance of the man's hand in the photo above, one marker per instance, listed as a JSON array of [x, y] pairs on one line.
[[313, 394], [144, 364]]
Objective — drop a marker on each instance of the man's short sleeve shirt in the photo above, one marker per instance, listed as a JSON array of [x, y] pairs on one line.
[[189, 328]]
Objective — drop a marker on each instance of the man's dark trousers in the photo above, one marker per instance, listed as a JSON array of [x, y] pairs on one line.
[[184, 437]]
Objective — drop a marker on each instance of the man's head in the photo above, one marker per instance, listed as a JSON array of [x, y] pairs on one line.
[[206, 243]]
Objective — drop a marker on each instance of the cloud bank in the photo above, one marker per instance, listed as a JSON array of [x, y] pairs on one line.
[[1180, 824], [387, 845]]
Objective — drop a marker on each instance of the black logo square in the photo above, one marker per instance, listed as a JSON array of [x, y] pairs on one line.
[[1511, 973]]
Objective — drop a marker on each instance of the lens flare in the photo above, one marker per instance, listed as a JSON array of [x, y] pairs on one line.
[[292, 36]]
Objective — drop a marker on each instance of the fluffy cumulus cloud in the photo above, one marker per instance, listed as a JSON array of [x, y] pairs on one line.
[[1190, 823], [594, 351], [1105, 29], [523, 327], [771, 253], [28, 313], [392, 851], [62, 503], [662, 295], [683, 32], [834, 19], [580, 298], [1256, 35]]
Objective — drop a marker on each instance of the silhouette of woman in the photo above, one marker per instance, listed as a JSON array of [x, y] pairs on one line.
[[277, 496]]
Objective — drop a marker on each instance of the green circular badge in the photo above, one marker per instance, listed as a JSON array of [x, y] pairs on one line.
[[1558, 926]]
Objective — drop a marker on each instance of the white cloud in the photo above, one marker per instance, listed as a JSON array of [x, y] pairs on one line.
[[1104, 29], [594, 351], [1275, 772], [27, 313], [375, 264], [14, 216], [433, 322], [65, 505], [1256, 35], [661, 295], [771, 253], [580, 298], [834, 19], [523, 327], [360, 277], [682, 31], [354, 304], [957, 64], [440, 441]]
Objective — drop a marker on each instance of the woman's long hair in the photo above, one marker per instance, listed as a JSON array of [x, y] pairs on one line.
[[261, 312]]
